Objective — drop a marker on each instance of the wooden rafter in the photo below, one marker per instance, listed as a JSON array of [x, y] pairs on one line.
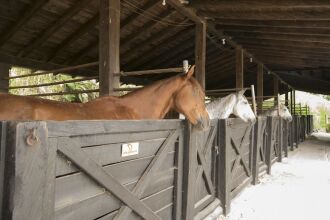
[[75, 36], [28, 13], [39, 40]]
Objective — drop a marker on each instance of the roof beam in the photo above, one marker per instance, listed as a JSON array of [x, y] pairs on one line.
[[283, 30], [187, 12], [243, 4], [39, 40], [305, 15], [28, 13], [284, 43], [275, 23], [285, 37]]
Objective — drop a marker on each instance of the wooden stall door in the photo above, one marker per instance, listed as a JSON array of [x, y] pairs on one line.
[[199, 172], [259, 148], [234, 165], [273, 147], [3, 130], [99, 170]]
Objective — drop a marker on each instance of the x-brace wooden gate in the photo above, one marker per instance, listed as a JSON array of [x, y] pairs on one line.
[[199, 170], [84, 174], [234, 159], [259, 148], [273, 142]]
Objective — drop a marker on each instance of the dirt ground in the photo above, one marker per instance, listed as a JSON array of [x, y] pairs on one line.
[[297, 189]]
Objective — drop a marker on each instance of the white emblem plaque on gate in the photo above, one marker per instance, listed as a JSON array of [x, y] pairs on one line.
[[129, 149]]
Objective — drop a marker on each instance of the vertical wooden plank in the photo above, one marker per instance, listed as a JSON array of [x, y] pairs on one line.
[[224, 178], [177, 213], [200, 53], [275, 89], [4, 73], [260, 86], [30, 174], [255, 151], [287, 99], [109, 46], [189, 167], [239, 68], [3, 130], [268, 150], [280, 139]]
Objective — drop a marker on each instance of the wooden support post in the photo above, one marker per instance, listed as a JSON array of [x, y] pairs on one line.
[[287, 99], [109, 42], [260, 86], [291, 101], [224, 167], [294, 102], [275, 81], [4, 74], [239, 68], [189, 178], [200, 53]]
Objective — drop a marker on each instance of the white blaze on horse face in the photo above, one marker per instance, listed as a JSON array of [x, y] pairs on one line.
[[242, 109]]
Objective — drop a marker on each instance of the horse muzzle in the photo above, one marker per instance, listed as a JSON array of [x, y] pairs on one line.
[[203, 123]]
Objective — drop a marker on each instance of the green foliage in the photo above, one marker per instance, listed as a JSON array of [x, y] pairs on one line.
[[49, 78], [327, 128], [327, 97]]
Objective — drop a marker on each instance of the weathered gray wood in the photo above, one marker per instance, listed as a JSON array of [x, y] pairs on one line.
[[27, 151], [109, 154], [190, 165], [71, 188], [154, 165], [109, 46], [101, 202], [3, 131], [280, 139], [224, 179], [177, 212], [106, 180], [74, 128]]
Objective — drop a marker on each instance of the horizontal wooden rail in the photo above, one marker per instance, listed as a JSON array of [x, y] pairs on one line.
[[66, 93], [54, 83], [151, 72], [226, 90], [61, 70]]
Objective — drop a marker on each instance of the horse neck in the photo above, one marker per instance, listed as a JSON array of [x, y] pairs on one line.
[[221, 108], [154, 101]]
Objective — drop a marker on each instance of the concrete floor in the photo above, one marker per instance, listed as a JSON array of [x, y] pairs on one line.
[[297, 189]]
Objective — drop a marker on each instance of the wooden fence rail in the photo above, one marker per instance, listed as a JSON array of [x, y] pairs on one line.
[[133, 169]]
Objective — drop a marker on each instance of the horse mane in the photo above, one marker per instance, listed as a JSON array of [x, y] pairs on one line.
[[218, 107]]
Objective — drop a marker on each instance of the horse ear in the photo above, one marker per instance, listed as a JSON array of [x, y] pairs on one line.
[[242, 92], [191, 72]]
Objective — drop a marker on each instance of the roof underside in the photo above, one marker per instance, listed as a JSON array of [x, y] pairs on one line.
[[290, 37]]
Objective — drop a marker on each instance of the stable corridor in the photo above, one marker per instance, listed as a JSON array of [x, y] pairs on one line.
[[298, 189]]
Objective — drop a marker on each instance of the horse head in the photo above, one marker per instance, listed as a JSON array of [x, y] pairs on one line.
[[285, 113], [242, 108], [189, 101]]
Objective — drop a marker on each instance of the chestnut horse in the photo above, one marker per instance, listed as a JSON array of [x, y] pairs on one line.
[[181, 93]]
